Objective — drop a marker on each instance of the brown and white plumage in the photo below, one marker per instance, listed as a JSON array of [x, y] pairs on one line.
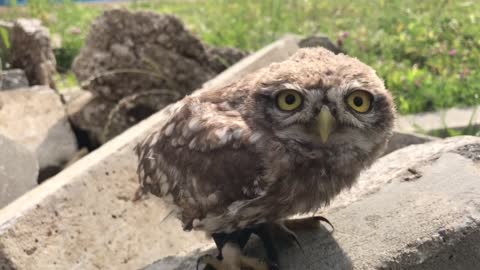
[[230, 158]]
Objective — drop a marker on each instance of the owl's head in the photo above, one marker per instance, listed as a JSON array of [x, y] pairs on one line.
[[319, 100]]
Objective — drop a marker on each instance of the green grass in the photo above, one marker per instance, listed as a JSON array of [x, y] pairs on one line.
[[428, 51]]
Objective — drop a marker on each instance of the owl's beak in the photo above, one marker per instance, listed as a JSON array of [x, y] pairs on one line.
[[325, 123]]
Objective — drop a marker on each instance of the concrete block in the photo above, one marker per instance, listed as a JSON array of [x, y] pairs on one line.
[[12, 79], [275, 52], [450, 118], [391, 220], [18, 170], [84, 217], [35, 117]]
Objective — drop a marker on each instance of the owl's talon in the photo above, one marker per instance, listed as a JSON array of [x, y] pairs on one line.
[[289, 234], [308, 223], [324, 219]]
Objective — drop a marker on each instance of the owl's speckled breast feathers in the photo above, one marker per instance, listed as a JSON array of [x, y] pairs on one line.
[[281, 141]]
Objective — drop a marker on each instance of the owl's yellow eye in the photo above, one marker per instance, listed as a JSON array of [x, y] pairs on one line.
[[289, 100], [360, 101]]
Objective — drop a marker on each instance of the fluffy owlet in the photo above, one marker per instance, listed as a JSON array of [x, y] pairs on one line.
[[284, 140]]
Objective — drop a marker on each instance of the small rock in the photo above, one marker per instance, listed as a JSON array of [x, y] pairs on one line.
[[131, 52], [13, 79], [89, 114], [31, 50], [221, 58], [18, 170], [133, 109], [35, 117], [320, 41]]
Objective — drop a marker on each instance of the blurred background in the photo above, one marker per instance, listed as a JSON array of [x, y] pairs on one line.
[[111, 69], [427, 51]]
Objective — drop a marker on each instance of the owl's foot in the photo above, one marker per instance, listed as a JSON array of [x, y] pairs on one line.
[[285, 229], [233, 259]]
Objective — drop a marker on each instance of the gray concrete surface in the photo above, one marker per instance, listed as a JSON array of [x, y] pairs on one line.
[[450, 118], [35, 117], [393, 221], [275, 52], [18, 170], [84, 217], [12, 79]]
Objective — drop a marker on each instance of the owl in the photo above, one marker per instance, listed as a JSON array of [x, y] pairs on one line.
[[281, 141]]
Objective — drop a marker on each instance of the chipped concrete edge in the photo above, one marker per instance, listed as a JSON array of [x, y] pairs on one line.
[[29, 200]]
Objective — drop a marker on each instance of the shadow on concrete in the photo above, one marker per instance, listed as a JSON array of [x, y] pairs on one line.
[[57, 148], [320, 251]]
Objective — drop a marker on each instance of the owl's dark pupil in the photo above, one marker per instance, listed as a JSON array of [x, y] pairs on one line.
[[290, 99], [358, 101]]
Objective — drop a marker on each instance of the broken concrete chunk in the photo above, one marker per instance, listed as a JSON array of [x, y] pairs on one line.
[[221, 58], [320, 41], [18, 170], [31, 50], [12, 79], [130, 52], [35, 117], [85, 216], [275, 52]]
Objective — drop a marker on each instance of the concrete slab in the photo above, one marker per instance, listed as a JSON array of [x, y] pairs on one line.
[[84, 217], [35, 117], [275, 52], [18, 170], [450, 118], [430, 222]]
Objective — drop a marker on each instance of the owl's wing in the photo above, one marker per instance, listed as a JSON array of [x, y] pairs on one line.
[[203, 157]]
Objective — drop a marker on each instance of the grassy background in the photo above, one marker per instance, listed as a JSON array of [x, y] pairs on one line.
[[427, 51]]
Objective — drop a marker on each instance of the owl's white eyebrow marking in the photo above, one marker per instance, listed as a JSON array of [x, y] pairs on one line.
[[274, 88], [289, 85]]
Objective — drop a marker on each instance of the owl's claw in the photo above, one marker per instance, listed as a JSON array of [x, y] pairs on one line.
[[324, 219], [233, 260], [309, 223]]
